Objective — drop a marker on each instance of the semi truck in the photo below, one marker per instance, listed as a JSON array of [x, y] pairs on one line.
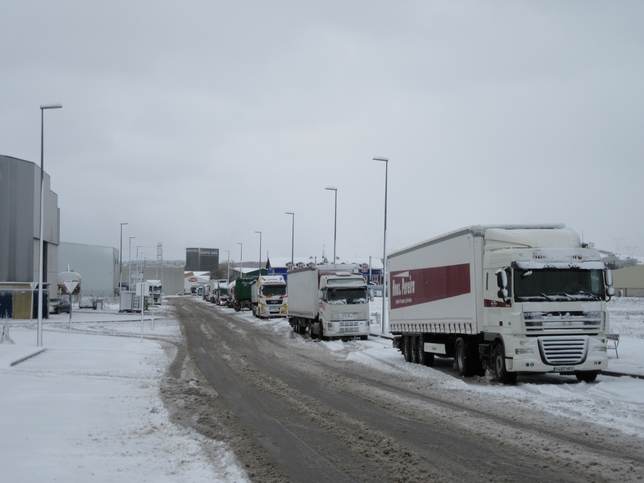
[[156, 291], [512, 299], [328, 301], [268, 296], [241, 294], [218, 291]]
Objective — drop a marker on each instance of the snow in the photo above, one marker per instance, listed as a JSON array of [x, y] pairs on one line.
[[89, 407]]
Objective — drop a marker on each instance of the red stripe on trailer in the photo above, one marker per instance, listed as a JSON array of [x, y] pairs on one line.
[[414, 287]]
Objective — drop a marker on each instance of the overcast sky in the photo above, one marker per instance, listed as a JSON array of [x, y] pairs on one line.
[[202, 122]]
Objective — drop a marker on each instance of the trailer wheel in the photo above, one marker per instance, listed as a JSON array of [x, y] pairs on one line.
[[407, 352], [498, 366], [421, 356], [412, 349]]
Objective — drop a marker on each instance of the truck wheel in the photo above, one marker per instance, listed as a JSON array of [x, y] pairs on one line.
[[321, 331], [498, 367], [407, 348], [461, 361], [586, 376], [414, 349], [421, 356]]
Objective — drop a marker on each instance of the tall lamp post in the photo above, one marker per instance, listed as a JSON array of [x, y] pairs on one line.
[[121, 259], [292, 239], [41, 244], [335, 219], [228, 269], [241, 253], [129, 265], [137, 262], [384, 251], [259, 273]]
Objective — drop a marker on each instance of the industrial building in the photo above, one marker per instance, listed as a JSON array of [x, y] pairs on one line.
[[171, 277], [98, 267], [202, 259], [20, 234]]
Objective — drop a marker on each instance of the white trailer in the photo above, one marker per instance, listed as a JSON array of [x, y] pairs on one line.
[[328, 301], [268, 296], [529, 299]]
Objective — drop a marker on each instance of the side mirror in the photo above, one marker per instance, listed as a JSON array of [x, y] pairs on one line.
[[609, 277], [502, 279], [502, 294]]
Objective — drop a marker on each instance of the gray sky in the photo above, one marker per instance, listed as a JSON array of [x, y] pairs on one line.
[[201, 122]]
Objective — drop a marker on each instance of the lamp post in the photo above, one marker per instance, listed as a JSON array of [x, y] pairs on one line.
[[259, 273], [41, 244], [137, 261], [121, 259], [384, 251], [292, 239], [241, 253], [335, 222], [129, 265], [228, 269]]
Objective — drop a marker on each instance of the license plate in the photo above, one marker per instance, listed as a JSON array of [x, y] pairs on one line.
[[348, 316], [563, 369]]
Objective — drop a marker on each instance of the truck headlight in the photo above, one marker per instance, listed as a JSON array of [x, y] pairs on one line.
[[522, 352]]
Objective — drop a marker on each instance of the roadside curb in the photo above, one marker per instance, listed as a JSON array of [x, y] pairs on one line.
[[621, 374], [27, 357]]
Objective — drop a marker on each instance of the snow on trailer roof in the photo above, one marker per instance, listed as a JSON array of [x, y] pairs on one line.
[[479, 231]]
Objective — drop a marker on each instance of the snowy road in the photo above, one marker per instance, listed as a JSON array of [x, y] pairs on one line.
[[302, 410]]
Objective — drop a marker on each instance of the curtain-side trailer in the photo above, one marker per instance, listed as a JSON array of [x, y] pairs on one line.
[[520, 298]]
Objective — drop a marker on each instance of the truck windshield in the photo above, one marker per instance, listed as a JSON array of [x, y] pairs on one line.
[[272, 290], [223, 291], [558, 285], [338, 296]]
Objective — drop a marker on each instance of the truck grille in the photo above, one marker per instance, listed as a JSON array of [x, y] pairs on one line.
[[563, 351], [349, 326], [562, 322]]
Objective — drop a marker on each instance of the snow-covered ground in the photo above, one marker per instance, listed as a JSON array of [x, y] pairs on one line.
[[89, 409]]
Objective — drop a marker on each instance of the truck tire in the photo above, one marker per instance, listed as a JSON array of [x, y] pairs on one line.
[[586, 376], [498, 366], [460, 358], [414, 349], [407, 348], [423, 358], [321, 331]]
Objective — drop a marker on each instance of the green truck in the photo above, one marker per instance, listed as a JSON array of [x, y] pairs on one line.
[[242, 293]]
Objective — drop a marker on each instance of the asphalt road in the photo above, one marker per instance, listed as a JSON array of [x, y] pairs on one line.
[[293, 411]]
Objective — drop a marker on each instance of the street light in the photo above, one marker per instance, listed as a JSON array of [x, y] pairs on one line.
[[292, 239], [384, 250], [241, 252], [137, 261], [335, 222], [260, 254], [228, 269], [129, 265], [41, 244], [121, 259]]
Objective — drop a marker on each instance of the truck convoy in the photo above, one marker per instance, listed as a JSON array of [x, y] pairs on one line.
[[520, 298], [268, 296], [328, 301]]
